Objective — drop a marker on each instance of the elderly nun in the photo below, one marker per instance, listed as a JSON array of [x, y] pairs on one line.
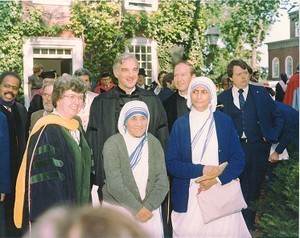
[[136, 180], [199, 142]]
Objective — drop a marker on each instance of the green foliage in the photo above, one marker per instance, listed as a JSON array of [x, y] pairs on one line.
[[99, 24], [105, 27], [280, 208]]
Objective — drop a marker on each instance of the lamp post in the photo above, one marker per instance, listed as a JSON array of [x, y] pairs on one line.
[[213, 35]]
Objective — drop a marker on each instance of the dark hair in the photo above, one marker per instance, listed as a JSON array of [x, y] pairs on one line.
[[192, 69], [239, 63], [105, 74], [82, 71], [284, 77], [168, 78], [64, 83], [7, 73], [160, 73]]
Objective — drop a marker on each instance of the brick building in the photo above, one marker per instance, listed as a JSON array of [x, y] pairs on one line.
[[284, 54]]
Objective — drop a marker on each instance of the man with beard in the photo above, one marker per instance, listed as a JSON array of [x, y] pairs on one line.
[[16, 115], [47, 103]]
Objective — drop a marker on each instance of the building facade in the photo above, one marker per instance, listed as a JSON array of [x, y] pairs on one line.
[[284, 54]]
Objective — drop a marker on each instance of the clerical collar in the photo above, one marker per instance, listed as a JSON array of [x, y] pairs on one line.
[[184, 96], [131, 92]]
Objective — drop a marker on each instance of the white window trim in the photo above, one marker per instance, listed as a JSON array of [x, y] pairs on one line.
[[74, 44], [275, 74], [289, 74], [140, 41]]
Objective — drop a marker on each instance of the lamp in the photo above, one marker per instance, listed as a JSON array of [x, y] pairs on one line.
[[213, 35]]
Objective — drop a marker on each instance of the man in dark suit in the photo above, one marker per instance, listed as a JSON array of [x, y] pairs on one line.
[[175, 105], [16, 115], [258, 123]]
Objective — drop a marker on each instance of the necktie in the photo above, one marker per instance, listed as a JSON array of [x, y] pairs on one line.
[[241, 98]]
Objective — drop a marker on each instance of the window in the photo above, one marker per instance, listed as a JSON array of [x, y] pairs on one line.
[[145, 50], [297, 29], [52, 52], [275, 68], [141, 5], [289, 66]]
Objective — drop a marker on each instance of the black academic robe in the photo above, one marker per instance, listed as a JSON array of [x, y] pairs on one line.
[[18, 134]]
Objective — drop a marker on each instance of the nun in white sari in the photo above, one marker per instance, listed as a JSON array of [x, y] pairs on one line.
[[136, 180], [199, 142]]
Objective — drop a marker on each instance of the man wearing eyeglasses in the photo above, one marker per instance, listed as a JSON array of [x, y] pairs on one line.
[[16, 115], [258, 123], [47, 89]]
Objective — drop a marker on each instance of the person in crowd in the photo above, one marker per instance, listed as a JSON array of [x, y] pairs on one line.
[[226, 82], [105, 111], [5, 187], [36, 102], [255, 77], [288, 139], [83, 222], [168, 87], [57, 163], [156, 86], [198, 144], [291, 96], [105, 84], [16, 116], [35, 81], [47, 90], [84, 113], [175, 105], [141, 82], [258, 123], [134, 165], [281, 87]]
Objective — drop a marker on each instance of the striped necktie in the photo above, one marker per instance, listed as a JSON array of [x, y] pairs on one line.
[[241, 98]]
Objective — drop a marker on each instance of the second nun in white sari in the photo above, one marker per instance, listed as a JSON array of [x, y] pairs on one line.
[[136, 180], [198, 143]]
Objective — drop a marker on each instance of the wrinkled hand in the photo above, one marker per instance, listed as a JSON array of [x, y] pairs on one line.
[[211, 170], [143, 215], [206, 176], [274, 157], [2, 197], [207, 184]]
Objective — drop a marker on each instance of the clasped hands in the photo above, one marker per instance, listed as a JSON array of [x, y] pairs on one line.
[[143, 215], [210, 173]]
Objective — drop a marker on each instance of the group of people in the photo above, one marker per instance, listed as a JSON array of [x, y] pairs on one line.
[[144, 154]]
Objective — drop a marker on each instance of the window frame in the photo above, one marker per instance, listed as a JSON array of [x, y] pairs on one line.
[[289, 69], [275, 74], [135, 46]]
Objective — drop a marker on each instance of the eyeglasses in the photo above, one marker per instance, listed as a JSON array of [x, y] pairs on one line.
[[15, 88], [73, 98], [46, 95], [244, 73]]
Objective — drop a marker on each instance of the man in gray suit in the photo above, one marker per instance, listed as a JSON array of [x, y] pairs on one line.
[[47, 89]]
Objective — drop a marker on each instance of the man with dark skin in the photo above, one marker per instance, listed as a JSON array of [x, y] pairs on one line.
[[17, 120]]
